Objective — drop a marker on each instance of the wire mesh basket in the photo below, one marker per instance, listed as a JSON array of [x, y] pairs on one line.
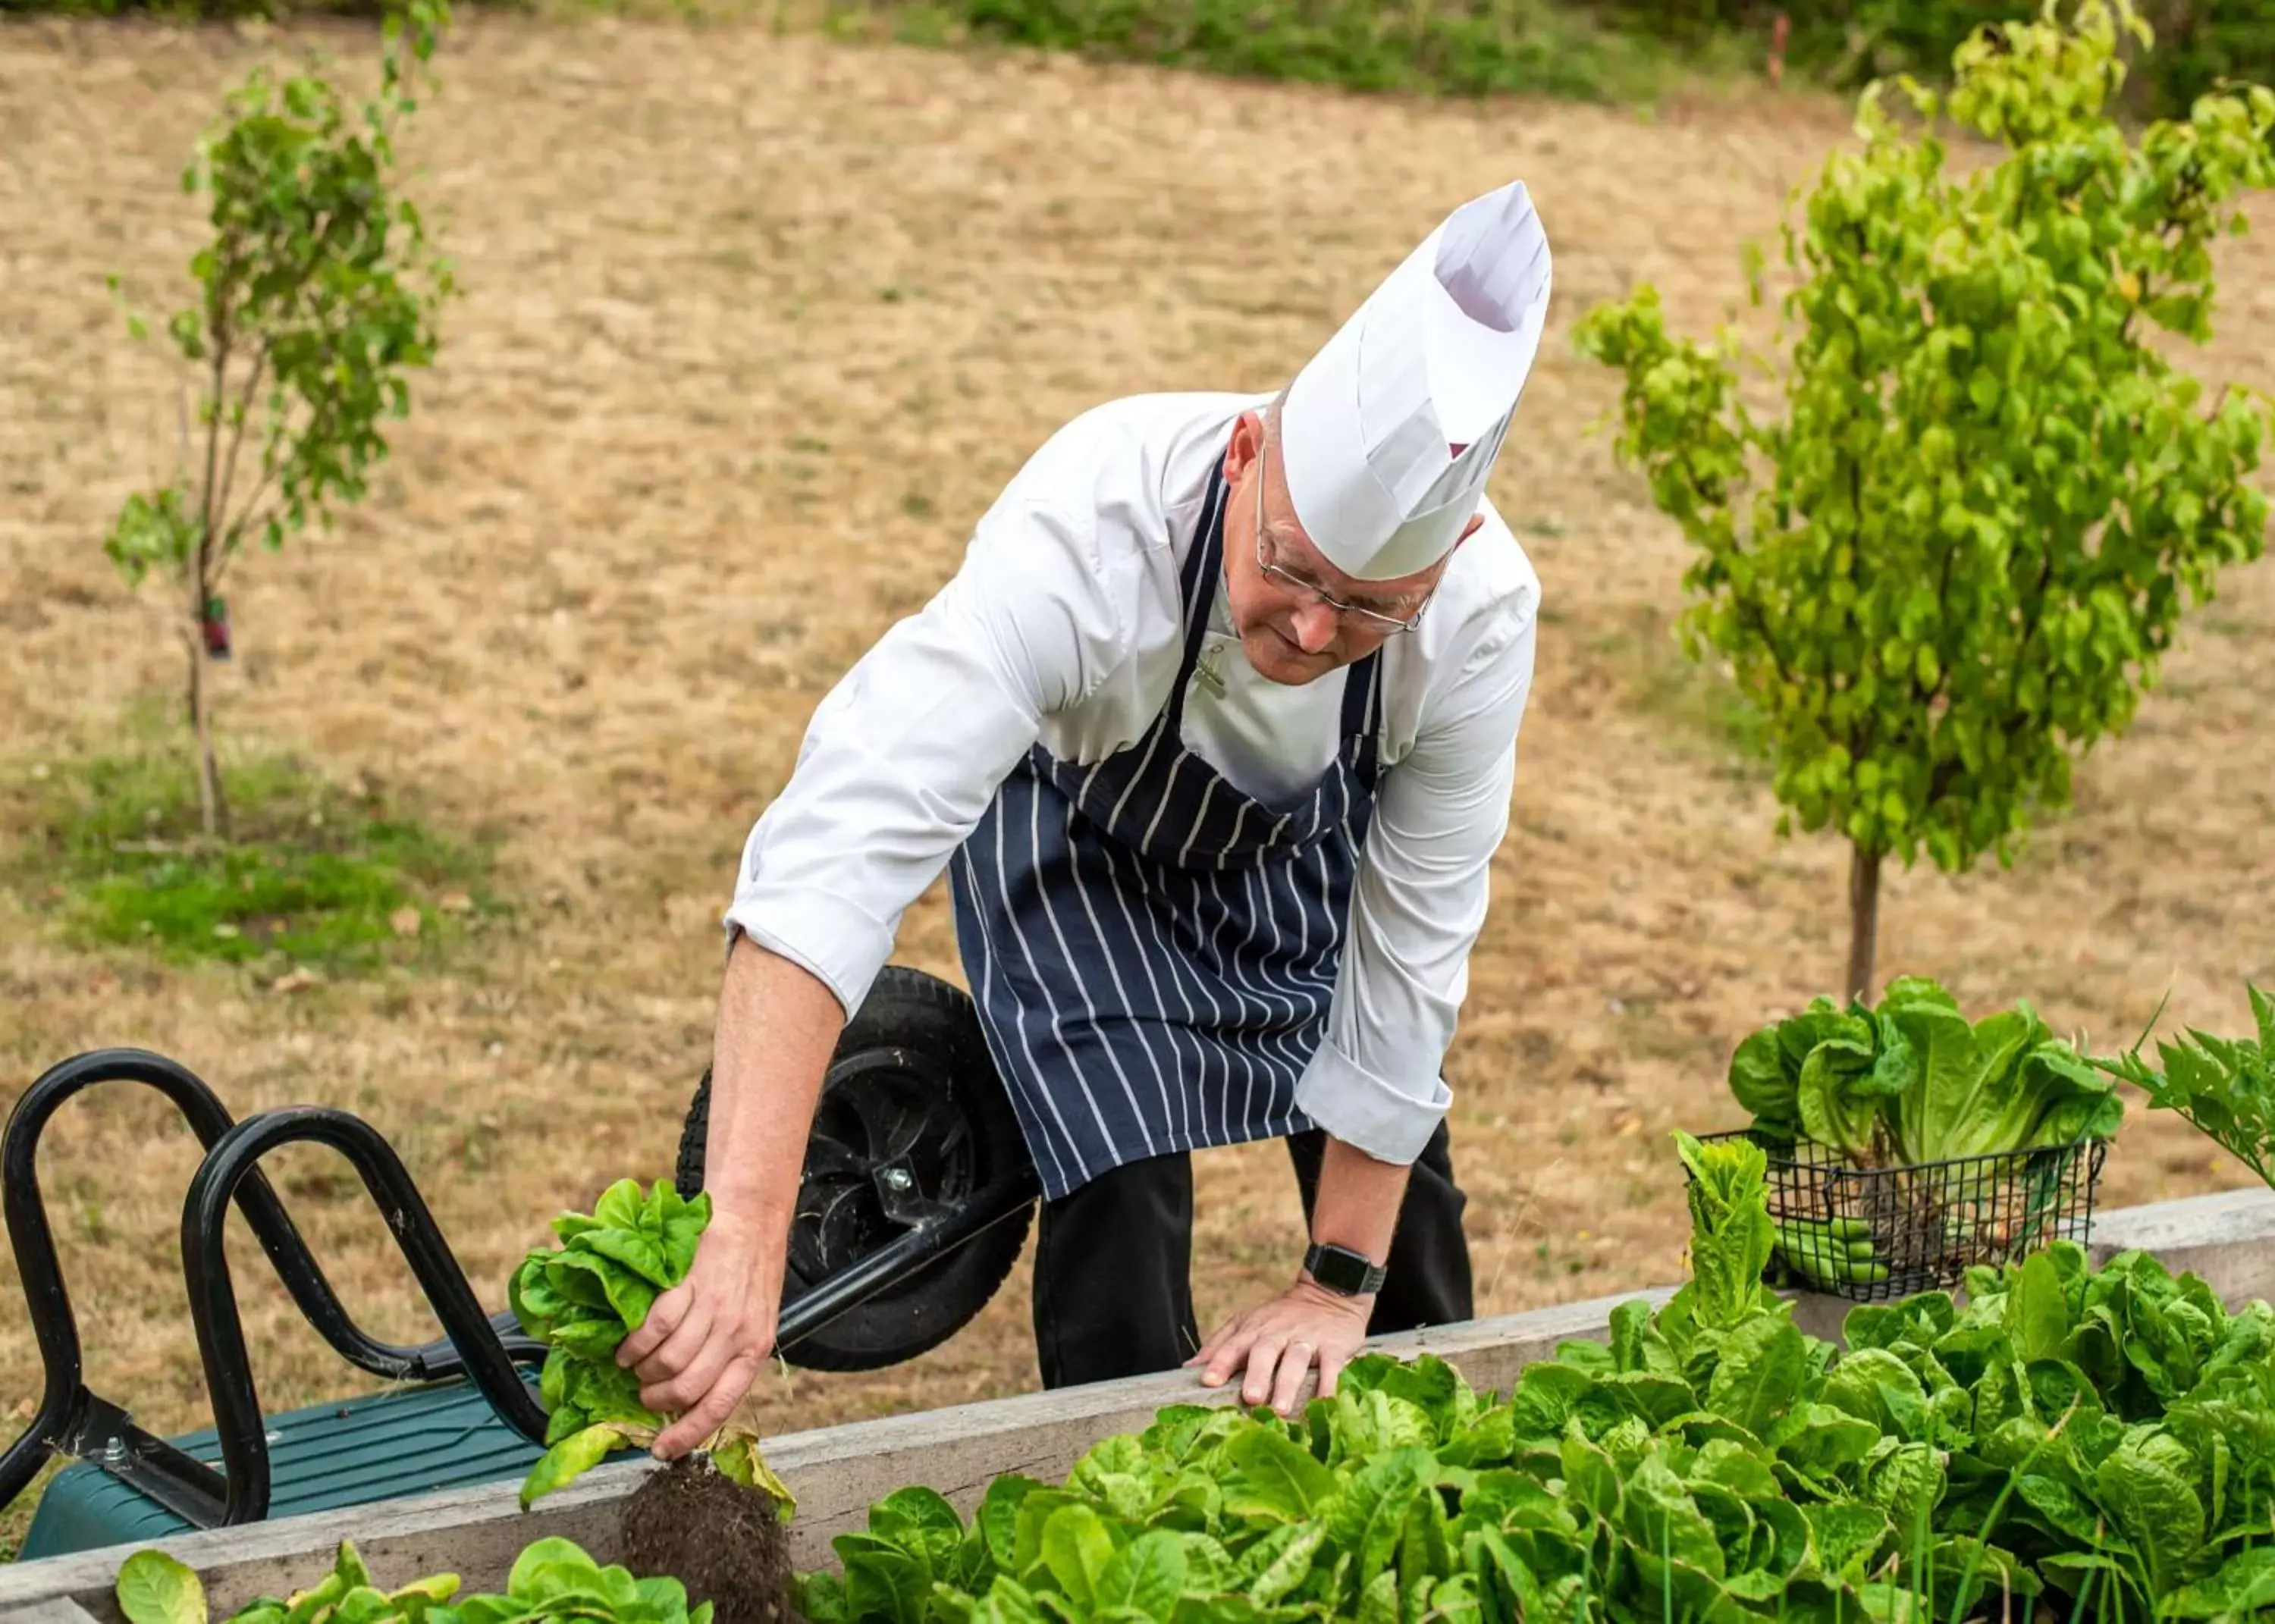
[[1877, 1234]]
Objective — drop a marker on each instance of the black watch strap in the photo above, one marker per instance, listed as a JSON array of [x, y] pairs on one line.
[[1342, 1271]]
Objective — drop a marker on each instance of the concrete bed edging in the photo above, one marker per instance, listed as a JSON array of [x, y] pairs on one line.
[[838, 1472]]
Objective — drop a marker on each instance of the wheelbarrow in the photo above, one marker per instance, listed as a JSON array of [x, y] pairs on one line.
[[915, 1198]]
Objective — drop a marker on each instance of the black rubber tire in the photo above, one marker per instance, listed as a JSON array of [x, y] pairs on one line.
[[908, 1013]]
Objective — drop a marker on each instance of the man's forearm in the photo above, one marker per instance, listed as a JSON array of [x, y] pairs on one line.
[[778, 1026], [1356, 1205]]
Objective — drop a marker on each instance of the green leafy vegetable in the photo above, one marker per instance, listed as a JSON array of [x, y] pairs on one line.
[[1731, 1235], [2002, 1084], [2071, 1431], [551, 1579], [152, 1588], [1912, 1080], [2096, 1440], [155, 1588], [582, 1299]]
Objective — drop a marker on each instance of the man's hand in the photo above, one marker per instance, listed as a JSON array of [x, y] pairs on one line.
[[1355, 1205], [701, 1347], [1282, 1340]]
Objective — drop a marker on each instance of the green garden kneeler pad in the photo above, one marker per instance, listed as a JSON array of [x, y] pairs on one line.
[[328, 1457]]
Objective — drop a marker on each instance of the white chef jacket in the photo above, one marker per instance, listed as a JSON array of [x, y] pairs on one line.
[[1062, 627]]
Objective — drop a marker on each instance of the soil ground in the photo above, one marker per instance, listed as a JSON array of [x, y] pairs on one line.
[[755, 327]]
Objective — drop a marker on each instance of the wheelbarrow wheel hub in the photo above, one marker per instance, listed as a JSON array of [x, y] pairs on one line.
[[914, 1143]]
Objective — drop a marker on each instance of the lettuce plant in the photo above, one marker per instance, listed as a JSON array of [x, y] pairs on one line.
[[1593, 1492], [582, 1299], [1824, 1073], [551, 1579], [1705, 1462], [2073, 1443], [2001, 1084], [1913, 1081], [2115, 1429], [554, 1578], [1731, 1235], [152, 1588], [2100, 1443]]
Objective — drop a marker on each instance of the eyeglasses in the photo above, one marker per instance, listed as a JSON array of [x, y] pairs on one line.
[[1373, 617]]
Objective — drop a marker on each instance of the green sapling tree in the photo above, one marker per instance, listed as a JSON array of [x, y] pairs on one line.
[[316, 293], [1950, 564]]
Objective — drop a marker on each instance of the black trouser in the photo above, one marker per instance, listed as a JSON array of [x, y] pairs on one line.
[[1113, 1263]]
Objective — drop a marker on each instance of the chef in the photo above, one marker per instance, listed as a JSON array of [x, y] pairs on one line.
[[1213, 732]]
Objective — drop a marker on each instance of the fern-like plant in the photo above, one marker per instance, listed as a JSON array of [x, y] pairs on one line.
[[2224, 1086]]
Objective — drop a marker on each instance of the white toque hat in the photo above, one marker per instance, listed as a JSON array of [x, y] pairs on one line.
[[1387, 433]]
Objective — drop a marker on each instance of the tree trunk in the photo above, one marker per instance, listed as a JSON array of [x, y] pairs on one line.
[[1864, 919], [212, 806]]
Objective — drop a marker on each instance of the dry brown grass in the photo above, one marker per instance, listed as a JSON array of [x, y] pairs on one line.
[[756, 327]]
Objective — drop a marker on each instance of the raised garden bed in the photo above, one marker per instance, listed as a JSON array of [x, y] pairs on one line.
[[837, 1473]]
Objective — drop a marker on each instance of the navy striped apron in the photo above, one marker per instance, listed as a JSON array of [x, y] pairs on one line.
[[1153, 951]]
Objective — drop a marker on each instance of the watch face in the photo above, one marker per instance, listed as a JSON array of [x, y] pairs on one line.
[[1339, 1269]]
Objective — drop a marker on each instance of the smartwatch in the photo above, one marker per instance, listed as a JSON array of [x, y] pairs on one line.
[[1342, 1271]]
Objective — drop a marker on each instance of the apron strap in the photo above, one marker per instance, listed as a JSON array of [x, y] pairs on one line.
[[1362, 723], [1198, 588]]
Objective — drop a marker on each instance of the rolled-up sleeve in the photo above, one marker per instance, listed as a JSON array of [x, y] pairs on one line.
[[1418, 902], [902, 758]]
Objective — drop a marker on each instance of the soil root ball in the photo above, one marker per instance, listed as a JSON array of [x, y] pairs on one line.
[[725, 1542]]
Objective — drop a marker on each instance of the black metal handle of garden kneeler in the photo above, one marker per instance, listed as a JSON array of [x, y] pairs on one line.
[[73, 1420], [233, 1162]]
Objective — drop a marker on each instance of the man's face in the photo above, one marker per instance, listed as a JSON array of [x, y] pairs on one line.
[[1275, 580]]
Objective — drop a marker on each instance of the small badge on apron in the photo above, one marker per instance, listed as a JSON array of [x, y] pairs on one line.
[[1209, 668]]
